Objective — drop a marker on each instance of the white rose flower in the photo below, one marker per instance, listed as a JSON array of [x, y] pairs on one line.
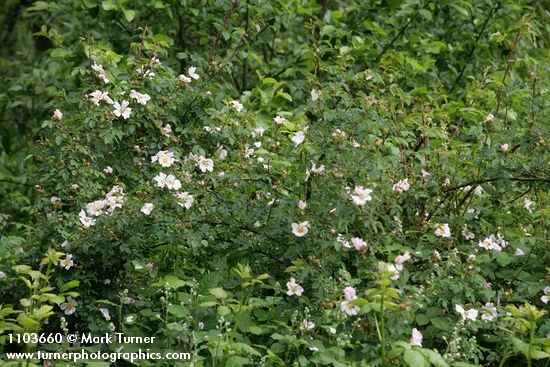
[[391, 268], [95, 208], [140, 98], [147, 208], [236, 105], [307, 325], [300, 229], [489, 312], [467, 234], [193, 73], [294, 289], [350, 310], [416, 338], [57, 115], [69, 307], [184, 79], [470, 314], [315, 95], [185, 199], [172, 182], [401, 186], [105, 313], [122, 109], [359, 243], [279, 120], [400, 260], [442, 230], [164, 157], [67, 262], [529, 205], [205, 164], [361, 195], [161, 180], [166, 130], [86, 221]]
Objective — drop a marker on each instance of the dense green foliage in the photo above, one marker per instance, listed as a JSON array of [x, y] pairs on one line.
[[353, 183]]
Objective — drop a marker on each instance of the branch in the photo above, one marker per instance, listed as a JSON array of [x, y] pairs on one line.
[[389, 45], [13, 182], [508, 66], [225, 23], [478, 182], [471, 53]]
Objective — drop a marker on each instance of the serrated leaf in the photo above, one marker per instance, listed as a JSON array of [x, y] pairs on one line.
[[178, 311], [414, 359], [174, 282], [434, 357], [218, 293], [223, 310]]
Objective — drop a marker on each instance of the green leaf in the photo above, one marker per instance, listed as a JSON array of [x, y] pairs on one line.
[[43, 312], [539, 354], [178, 311], [503, 258], [106, 302], [108, 5], [218, 293], [27, 323], [129, 14], [69, 285], [208, 304], [237, 361], [39, 5], [284, 95], [464, 364], [434, 357], [174, 282], [422, 319], [163, 40], [159, 5], [520, 346], [223, 310], [440, 322], [59, 53], [414, 359]]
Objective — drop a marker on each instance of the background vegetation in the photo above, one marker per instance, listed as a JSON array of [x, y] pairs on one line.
[[439, 107]]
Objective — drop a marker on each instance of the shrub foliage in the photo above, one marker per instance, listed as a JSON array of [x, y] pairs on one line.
[[279, 183]]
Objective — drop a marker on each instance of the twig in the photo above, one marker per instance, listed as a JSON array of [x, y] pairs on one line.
[[245, 60], [477, 182], [389, 45], [520, 196], [225, 23], [15, 182], [472, 50], [508, 66]]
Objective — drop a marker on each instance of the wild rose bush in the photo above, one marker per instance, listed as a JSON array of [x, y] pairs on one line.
[[355, 209]]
